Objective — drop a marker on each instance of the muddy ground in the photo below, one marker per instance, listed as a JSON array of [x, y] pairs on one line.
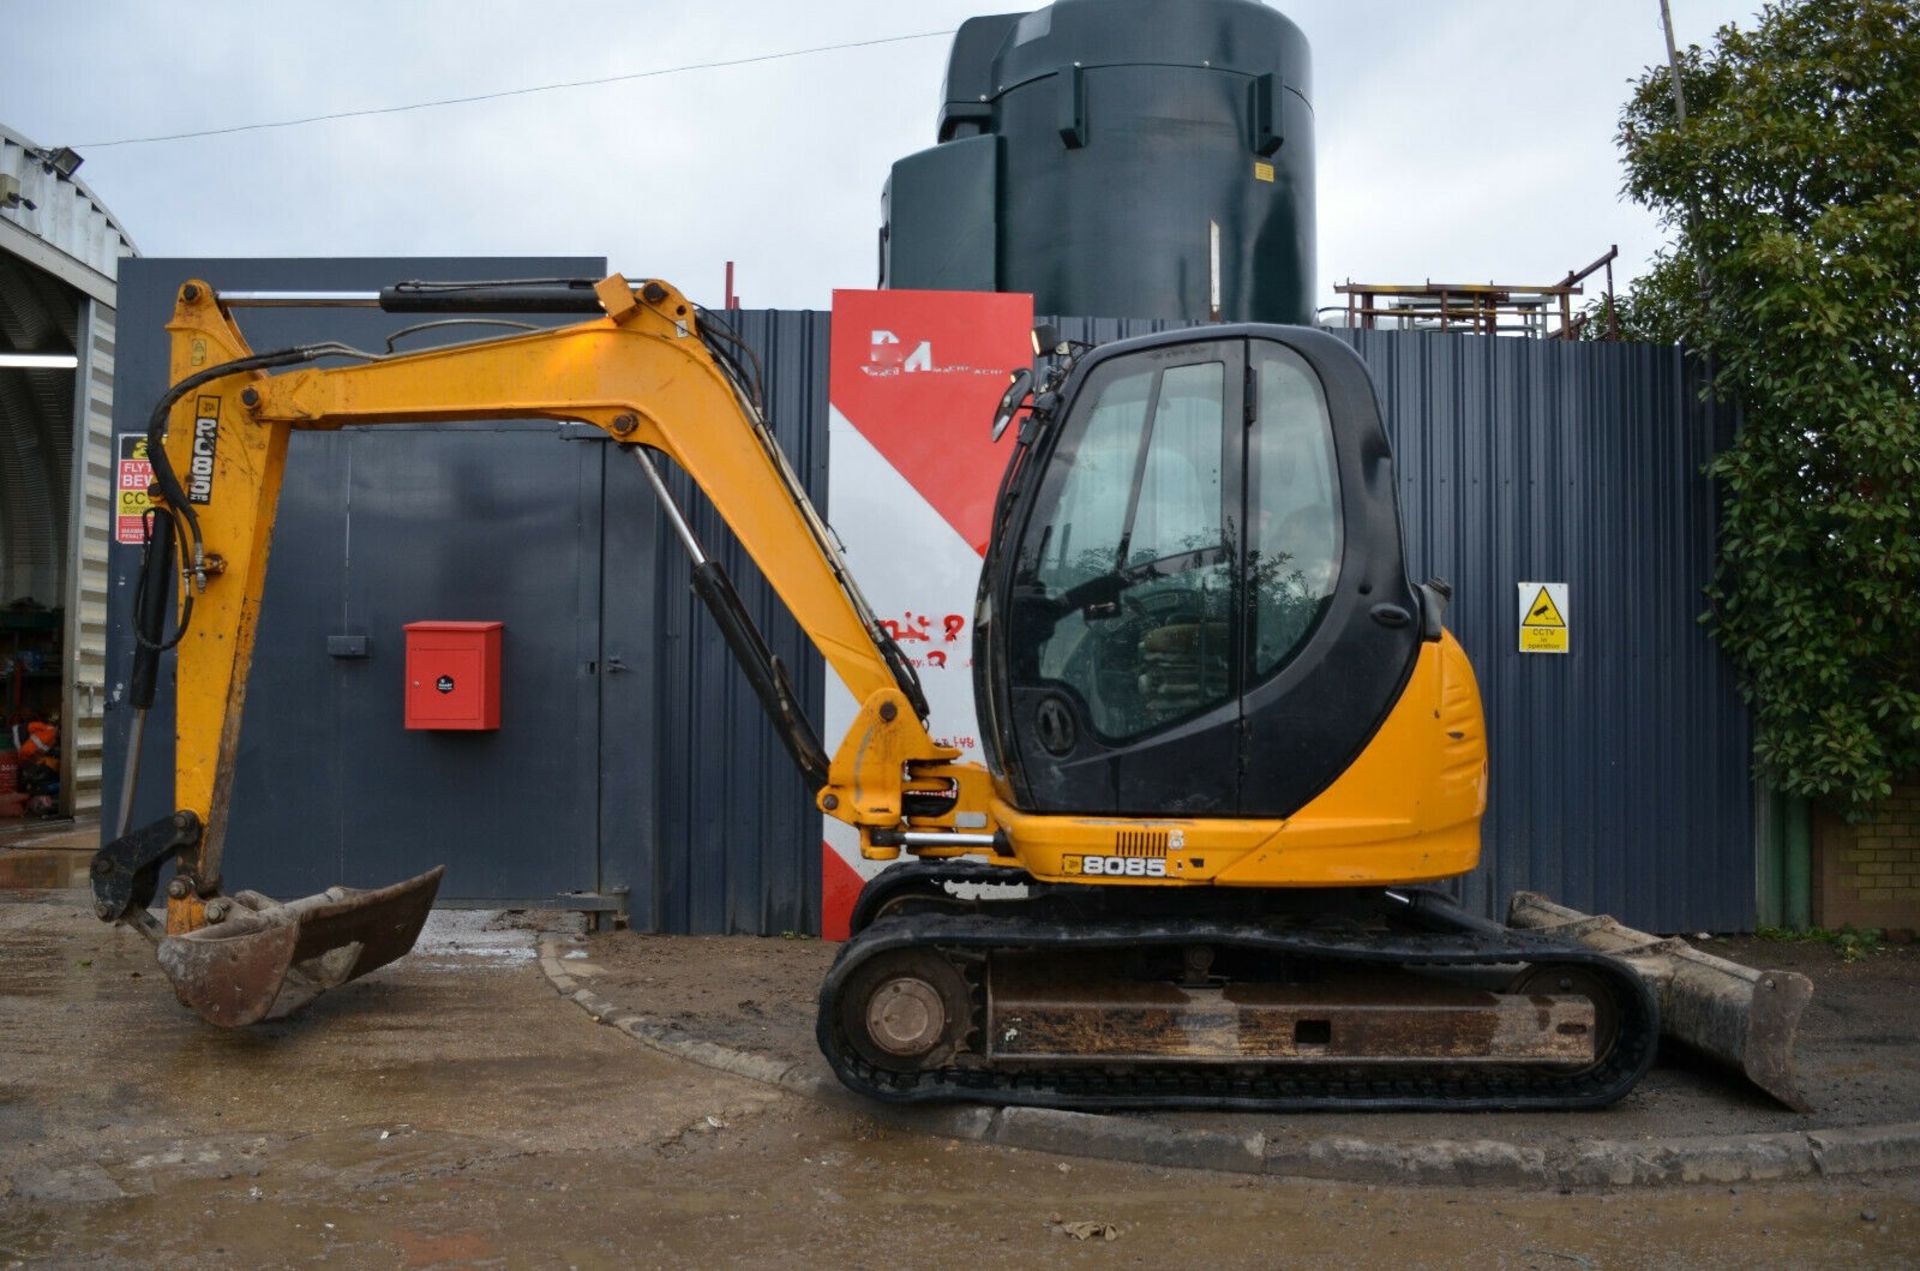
[[1858, 1052], [454, 1111]]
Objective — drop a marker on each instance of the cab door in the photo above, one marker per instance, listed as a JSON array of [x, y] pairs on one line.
[[1202, 606], [1124, 615], [1333, 625]]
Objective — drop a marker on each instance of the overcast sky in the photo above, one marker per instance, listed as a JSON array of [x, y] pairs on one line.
[[1460, 140]]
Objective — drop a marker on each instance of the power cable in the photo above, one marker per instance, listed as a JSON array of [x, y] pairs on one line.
[[507, 92]]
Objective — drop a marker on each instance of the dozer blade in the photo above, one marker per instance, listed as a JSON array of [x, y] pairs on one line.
[[1743, 1017], [267, 960]]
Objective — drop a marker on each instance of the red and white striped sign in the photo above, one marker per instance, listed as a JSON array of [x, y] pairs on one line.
[[911, 474]]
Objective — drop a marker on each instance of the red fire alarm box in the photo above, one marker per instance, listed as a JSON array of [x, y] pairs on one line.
[[453, 675]]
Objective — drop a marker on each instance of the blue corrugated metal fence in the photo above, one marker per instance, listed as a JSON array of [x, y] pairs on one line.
[[1619, 777]]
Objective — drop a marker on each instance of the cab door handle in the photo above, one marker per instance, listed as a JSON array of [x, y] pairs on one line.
[[1390, 615]]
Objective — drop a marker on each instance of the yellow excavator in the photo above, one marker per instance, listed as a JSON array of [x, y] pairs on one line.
[[1227, 738]]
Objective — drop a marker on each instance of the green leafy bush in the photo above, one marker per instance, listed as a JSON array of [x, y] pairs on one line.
[[1793, 192]]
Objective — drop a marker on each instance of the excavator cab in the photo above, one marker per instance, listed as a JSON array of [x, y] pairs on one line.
[[1197, 603]]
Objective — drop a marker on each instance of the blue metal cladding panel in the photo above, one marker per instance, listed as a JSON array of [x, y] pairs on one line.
[[378, 527], [633, 754], [719, 834], [1620, 771]]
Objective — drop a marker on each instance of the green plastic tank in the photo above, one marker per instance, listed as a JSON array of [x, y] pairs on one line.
[[1102, 154]]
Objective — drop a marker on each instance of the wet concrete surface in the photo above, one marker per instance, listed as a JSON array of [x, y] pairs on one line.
[[1858, 1053], [36, 854], [453, 1111]]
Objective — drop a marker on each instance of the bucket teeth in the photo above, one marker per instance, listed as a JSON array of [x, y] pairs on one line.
[[267, 960]]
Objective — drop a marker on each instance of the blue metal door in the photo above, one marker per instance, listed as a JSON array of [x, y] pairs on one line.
[[379, 527]]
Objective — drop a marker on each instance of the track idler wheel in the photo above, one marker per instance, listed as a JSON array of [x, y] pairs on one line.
[[907, 1011], [922, 898], [1576, 981]]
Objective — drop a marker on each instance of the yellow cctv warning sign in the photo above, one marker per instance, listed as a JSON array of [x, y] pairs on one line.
[[1543, 617]]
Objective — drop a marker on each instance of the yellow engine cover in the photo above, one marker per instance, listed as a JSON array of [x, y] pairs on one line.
[[1406, 810]]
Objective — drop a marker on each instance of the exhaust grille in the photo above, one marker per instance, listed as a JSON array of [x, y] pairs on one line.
[[1140, 843]]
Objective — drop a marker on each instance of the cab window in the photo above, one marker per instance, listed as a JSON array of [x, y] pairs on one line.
[[1294, 520], [1124, 565]]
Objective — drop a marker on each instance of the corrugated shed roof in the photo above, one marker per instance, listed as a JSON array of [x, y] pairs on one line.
[[65, 214]]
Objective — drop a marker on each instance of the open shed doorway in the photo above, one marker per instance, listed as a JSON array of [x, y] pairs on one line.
[[60, 491], [41, 320]]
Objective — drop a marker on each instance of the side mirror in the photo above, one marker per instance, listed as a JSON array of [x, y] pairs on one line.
[[1012, 400]]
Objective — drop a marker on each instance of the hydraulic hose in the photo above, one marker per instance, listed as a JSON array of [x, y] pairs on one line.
[[150, 605]]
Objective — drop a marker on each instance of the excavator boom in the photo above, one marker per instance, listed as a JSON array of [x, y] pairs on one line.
[[647, 373]]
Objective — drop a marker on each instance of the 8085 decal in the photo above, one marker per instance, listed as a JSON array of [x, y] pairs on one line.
[[1115, 866]]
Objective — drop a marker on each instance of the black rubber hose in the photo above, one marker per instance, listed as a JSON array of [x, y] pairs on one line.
[[163, 474], [150, 605], [183, 524]]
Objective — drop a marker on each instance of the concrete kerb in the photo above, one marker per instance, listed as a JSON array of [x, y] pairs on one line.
[[1456, 1162]]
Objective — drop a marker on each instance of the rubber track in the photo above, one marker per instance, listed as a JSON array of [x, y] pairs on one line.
[[1425, 1087], [908, 875]]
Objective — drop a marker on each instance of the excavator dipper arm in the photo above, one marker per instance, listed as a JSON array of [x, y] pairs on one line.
[[643, 371]]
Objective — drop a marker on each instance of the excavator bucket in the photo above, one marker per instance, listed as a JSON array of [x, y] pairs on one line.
[[265, 959], [1743, 1017]]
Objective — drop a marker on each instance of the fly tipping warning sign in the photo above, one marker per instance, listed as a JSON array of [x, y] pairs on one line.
[[1543, 617], [135, 474]]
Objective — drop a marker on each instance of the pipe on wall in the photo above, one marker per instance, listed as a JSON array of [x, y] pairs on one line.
[[1799, 864]]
